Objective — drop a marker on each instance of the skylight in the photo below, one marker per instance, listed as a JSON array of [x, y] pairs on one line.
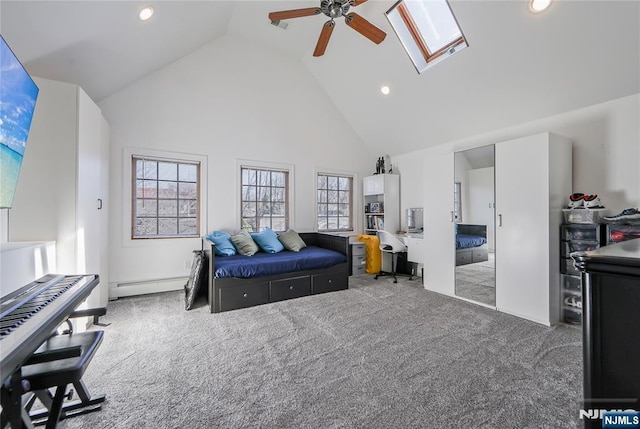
[[427, 29]]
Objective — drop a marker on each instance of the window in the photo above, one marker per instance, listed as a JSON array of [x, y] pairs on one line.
[[335, 203], [427, 29], [457, 202], [166, 199], [265, 199]]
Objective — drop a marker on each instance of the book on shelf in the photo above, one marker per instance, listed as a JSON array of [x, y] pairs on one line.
[[375, 222]]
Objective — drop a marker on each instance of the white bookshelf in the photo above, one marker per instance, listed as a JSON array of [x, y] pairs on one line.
[[381, 203]]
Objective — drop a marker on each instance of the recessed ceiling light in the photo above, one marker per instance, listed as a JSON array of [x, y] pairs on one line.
[[537, 6], [146, 13], [385, 89]]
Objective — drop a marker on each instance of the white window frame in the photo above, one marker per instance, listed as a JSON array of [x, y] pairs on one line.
[[262, 165], [353, 195], [357, 211], [457, 202], [157, 198], [128, 199]]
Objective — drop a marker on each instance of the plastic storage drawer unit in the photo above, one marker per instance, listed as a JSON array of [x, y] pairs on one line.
[[581, 232], [589, 216], [572, 283]]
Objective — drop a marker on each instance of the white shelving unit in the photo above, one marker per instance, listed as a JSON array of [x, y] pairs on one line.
[[382, 203]]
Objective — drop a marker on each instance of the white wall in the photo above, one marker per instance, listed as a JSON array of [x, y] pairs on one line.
[[45, 201], [606, 152], [228, 100], [21, 263], [4, 225]]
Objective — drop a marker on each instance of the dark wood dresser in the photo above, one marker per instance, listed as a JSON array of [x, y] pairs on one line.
[[611, 327]]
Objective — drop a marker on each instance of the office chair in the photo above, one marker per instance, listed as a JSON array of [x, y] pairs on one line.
[[389, 243]]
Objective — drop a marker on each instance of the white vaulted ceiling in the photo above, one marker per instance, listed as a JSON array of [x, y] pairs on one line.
[[518, 67]]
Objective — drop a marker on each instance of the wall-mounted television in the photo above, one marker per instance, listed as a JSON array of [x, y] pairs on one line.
[[18, 94]]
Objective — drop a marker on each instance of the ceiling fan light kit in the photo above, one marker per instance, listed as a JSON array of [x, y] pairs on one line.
[[333, 9]]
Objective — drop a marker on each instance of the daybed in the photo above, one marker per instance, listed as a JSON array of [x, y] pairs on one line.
[[245, 281], [471, 244]]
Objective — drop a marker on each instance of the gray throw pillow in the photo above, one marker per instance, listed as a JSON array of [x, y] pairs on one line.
[[291, 240], [244, 244]]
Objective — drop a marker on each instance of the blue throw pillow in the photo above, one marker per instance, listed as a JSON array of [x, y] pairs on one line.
[[268, 241], [223, 244]]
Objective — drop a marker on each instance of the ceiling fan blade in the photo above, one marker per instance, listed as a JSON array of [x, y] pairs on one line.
[[294, 13], [323, 40], [365, 28], [356, 2]]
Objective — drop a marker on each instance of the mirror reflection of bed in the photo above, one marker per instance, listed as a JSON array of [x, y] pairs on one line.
[[475, 273], [474, 200]]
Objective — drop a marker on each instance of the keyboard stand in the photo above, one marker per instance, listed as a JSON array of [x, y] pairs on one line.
[[59, 374]]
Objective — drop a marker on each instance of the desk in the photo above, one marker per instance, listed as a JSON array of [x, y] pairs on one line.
[[413, 260], [415, 248]]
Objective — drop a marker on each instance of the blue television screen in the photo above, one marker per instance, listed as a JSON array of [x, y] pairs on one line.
[[18, 95]]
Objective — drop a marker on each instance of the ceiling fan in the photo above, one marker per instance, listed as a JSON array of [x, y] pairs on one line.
[[334, 9]]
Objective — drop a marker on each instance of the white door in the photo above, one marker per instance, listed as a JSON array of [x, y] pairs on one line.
[[522, 227], [89, 215], [103, 213], [439, 239]]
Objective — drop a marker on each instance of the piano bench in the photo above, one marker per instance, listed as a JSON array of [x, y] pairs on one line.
[[43, 375]]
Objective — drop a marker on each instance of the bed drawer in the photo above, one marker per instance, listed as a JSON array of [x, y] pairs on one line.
[[241, 296], [290, 288], [328, 283], [480, 255], [464, 257]]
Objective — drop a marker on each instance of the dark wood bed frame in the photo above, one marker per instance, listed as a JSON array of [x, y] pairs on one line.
[[474, 254], [233, 293]]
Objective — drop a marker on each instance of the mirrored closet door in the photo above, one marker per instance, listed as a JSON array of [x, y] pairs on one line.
[[474, 213]]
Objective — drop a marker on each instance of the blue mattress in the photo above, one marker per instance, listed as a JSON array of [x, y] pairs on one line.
[[266, 264], [464, 241]]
